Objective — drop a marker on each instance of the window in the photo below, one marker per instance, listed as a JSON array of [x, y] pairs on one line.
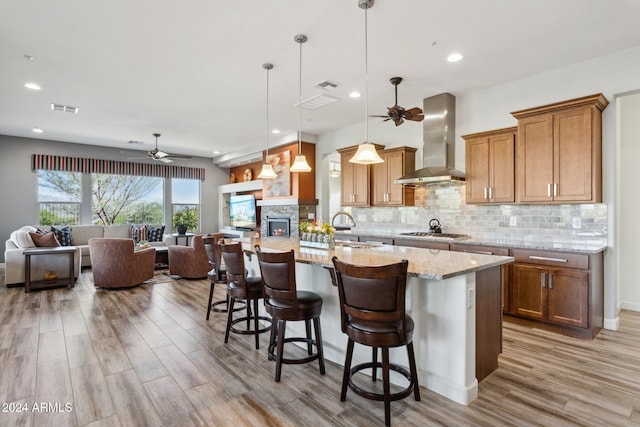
[[185, 208], [59, 194], [120, 199]]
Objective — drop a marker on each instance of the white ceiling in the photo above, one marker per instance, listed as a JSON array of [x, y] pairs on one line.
[[192, 71]]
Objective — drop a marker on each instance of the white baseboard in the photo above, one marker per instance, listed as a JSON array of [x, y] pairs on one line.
[[612, 324], [633, 306]]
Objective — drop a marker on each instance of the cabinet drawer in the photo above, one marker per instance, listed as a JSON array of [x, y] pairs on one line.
[[414, 243], [480, 249], [376, 239], [559, 259]]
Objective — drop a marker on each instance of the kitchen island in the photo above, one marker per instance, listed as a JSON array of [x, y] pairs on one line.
[[449, 295]]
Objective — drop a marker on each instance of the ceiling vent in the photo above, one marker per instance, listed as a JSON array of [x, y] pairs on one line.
[[317, 101], [64, 108], [326, 85]]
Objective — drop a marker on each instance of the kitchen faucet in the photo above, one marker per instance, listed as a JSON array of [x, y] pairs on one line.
[[345, 213]]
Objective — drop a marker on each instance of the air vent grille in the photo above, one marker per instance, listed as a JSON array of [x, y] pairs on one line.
[[325, 84], [64, 108], [317, 101]]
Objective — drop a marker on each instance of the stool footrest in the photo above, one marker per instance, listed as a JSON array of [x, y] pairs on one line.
[[379, 396], [310, 358], [249, 331], [225, 310]]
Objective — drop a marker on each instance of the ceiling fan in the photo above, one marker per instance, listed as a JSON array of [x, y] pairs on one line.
[[397, 113], [161, 156]]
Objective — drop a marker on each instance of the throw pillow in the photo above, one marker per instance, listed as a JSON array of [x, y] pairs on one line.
[[63, 235], [21, 237], [155, 233], [46, 240], [138, 232]]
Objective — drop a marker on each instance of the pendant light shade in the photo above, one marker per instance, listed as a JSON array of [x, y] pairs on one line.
[[366, 154], [267, 171], [300, 163]]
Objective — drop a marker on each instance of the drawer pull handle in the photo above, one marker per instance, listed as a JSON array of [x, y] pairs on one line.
[[479, 252], [543, 282], [550, 281], [485, 193], [544, 258]]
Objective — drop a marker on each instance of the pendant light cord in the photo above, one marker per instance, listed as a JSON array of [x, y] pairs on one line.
[[268, 68], [300, 104], [366, 79]]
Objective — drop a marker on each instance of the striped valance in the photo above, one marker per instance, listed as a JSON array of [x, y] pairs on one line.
[[78, 164]]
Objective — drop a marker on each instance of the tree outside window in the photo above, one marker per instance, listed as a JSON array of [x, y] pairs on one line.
[[120, 199], [59, 194], [185, 195]]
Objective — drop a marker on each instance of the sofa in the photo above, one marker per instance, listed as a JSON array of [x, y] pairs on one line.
[[80, 235]]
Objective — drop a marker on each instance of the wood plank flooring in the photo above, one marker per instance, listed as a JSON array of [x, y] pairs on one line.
[[147, 357]]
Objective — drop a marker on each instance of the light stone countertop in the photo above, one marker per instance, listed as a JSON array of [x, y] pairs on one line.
[[423, 263], [583, 247]]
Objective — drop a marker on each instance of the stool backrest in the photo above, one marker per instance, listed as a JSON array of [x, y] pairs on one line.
[[234, 263], [278, 271], [372, 293], [213, 251]]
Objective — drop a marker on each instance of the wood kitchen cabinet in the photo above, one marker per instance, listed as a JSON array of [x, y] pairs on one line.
[[397, 162], [354, 179], [490, 166], [563, 291], [559, 152]]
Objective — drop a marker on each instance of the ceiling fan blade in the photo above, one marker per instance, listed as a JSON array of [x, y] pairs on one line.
[[414, 111], [417, 118], [382, 116], [164, 159], [398, 121], [160, 154], [178, 156]]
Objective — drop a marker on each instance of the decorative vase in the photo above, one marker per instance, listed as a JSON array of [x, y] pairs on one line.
[[182, 229]]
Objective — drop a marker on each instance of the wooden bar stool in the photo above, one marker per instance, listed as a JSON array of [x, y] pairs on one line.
[[372, 309], [217, 274], [241, 287], [285, 303]]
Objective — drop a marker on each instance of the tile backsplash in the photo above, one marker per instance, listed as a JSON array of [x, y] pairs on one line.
[[551, 223]]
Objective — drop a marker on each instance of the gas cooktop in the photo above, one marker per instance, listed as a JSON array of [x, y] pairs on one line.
[[436, 235]]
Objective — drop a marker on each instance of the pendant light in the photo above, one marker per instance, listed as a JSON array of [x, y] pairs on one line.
[[366, 154], [300, 164], [334, 172], [267, 171]]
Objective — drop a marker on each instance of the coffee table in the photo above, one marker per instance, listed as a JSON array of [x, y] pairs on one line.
[[162, 257], [70, 251]]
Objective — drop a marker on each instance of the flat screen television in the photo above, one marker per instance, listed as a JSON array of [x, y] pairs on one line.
[[242, 210]]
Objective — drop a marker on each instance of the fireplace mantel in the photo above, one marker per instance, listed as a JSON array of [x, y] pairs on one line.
[[288, 201]]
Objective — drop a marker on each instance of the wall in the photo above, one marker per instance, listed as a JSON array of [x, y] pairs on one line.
[[490, 108], [18, 184]]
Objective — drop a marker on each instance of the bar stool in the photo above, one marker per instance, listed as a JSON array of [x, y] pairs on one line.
[[372, 308], [285, 303], [241, 287], [217, 274]]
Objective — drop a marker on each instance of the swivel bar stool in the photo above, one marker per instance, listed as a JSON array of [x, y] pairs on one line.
[[241, 287], [372, 312], [217, 274], [285, 303]]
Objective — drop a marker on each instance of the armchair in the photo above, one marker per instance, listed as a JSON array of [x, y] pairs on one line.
[[116, 264], [190, 262]]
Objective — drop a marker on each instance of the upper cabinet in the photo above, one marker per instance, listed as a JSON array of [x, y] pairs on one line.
[[354, 179], [397, 162], [490, 160], [559, 152]]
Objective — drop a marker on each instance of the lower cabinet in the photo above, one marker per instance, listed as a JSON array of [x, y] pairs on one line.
[[561, 290]]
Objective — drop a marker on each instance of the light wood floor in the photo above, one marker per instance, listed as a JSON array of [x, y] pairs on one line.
[[146, 356]]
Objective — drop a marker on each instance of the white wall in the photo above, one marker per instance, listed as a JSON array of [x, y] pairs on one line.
[[490, 108], [18, 184], [628, 202]]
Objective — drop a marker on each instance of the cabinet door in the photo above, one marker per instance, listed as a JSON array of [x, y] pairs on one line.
[[477, 170], [529, 291], [347, 183], [380, 179], [568, 301], [535, 158], [572, 155], [395, 169], [360, 185], [502, 168]]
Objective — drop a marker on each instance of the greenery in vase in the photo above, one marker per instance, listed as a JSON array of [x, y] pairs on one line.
[[317, 227]]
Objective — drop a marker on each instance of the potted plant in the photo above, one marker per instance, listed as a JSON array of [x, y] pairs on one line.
[[186, 219]]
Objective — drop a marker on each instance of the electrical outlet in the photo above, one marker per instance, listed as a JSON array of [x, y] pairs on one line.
[[311, 215], [470, 298], [513, 221], [577, 222]]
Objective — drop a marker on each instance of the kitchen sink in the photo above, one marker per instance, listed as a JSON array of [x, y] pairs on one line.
[[436, 235], [358, 245]]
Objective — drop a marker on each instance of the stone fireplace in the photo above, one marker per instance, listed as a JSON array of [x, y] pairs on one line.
[[294, 213]]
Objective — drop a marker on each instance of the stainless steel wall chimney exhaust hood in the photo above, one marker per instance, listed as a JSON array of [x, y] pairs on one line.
[[439, 149]]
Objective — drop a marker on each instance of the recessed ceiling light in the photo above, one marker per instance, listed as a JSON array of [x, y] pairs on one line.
[[37, 130], [355, 94], [32, 86], [29, 57], [276, 131], [454, 57], [216, 152]]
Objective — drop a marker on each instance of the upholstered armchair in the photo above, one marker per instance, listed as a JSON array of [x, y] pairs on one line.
[[190, 262], [116, 264]]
